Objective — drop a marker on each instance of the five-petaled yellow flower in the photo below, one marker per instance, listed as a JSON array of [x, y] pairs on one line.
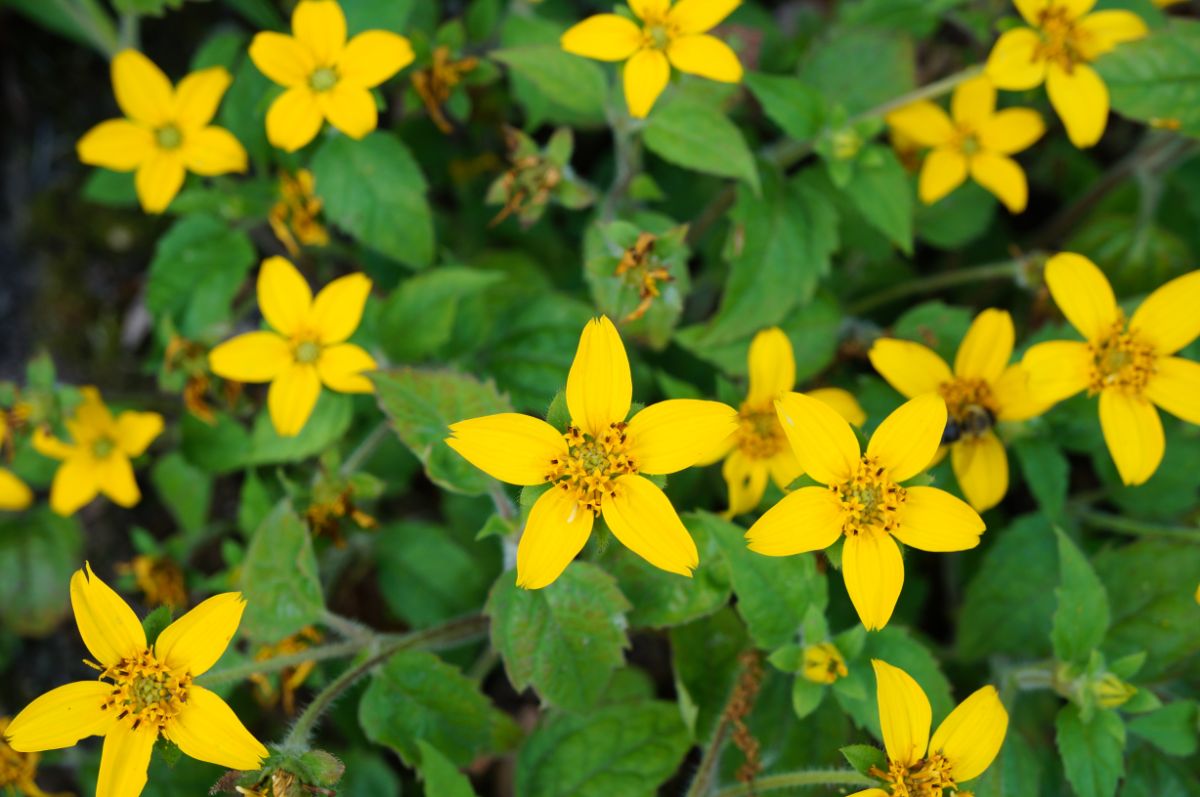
[[326, 77], [306, 346], [166, 132], [1129, 363], [14, 493], [669, 35], [978, 141], [97, 460], [1058, 49], [863, 499], [962, 748], [823, 663], [595, 467], [759, 450], [143, 691], [982, 389]]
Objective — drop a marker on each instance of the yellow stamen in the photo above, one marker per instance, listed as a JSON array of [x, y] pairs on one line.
[[145, 691], [308, 351], [1061, 39], [870, 500], [592, 465], [168, 137], [1121, 360], [925, 778], [323, 79]]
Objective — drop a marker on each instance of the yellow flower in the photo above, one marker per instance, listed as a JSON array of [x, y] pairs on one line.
[[759, 449], [823, 663], [1128, 363], [668, 36], [595, 467], [1063, 40], [159, 578], [863, 499], [982, 389], [97, 460], [17, 770], [15, 495], [166, 132], [962, 747], [977, 142], [143, 692], [305, 347], [327, 78]]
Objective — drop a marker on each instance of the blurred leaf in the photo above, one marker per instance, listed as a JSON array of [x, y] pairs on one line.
[[698, 136], [864, 757], [917, 17], [789, 102], [858, 69], [260, 13], [39, 551], [1171, 728], [279, 578], [222, 48], [705, 660], [426, 576], [87, 22], [567, 80], [218, 448], [1014, 773], [185, 489], [1046, 472], [155, 623], [244, 108], [895, 645], [442, 778], [327, 425], [154, 8], [1081, 618], [418, 319], [1157, 78], [1093, 752], [880, 190], [392, 15], [957, 220], [938, 325]]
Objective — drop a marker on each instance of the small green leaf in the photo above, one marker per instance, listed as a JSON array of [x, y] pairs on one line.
[[427, 576], [1171, 728], [442, 778], [880, 190], [1081, 618], [864, 756], [39, 551], [185, 489], [806, 696], [1158, 77], [1092, 753], [155, 623], [570, 81], [168, 751], [696, 135], [791, 103], [1046, 473], [419, 318], [279, 578], [705, 657]]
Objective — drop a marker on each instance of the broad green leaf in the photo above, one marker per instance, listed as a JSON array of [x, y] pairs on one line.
[[936, 324], [880, 190], [570, 81], [1157, 79], [244, 107], [1046, 473], [1016, 772], [698, 136], [153, 8], [441, 777], [1081, 618], [1171, 728], [39, 551], [705, 658], [957, 220], [390, 15], [917, 17], [1092, 753], [328, 424], [791, 103], [279, 578], [220, 447], [1153, 774], [564, 640], [859, 69], [185, 489], [418, 319]]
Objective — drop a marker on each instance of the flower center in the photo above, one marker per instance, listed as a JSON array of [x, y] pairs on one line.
[[823, 663], [1121, 360], [323, 79], [145, 690], [307, 351], [870, 500], [759, 435], [658, 35], [16, 769], [168, 137], [592, 465], [1060, 39], [970, 407], [102, 447], [926, 778], [968, 142]]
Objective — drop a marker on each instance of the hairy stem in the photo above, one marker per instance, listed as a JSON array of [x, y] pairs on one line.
[[1007, 269], [627, 152], [366, 448], [790, 780]]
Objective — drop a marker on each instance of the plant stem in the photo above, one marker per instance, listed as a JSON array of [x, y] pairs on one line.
[[1137, 528], [702, 782], [627, 153], [94, 21], [365, 449], [505, 508], [989, 271], [790, 780]]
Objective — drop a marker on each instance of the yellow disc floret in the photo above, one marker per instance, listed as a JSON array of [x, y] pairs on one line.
[[1121, 359], [870, 500], [928, 777], [759, 435], [1062, 38], [592, 464], [145, 690]]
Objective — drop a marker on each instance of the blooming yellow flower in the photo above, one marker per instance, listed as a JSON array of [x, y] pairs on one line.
[[166, 132], [863, 499], [978, 141], [1058, 49], [305, 347], [15, 495], [17, 770], [759, 450], [962, 747], [595, 467], [326, 77], [670, 35], [1128, 363], [823, 663], [143, 692], [97, 460], [982, 389]]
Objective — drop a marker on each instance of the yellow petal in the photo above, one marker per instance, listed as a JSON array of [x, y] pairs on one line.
[[672, 435], [599, 386], [974, 102], [108, 626], [61, 717], [706, 56], [1083, 294], [142, 90], [809, 519], [1014, 397], [116, 480], [904, 713], [92, 418], [282, 58], [605, 37], [75, 484], [511, 447], [117, 144], [292, 396], [193, 643], [294, 119], [349, 108], [1057, 370], [283, 295], [650, 10], [1011, 131], [198, 95], [1104, 30], [338, 308], [320, 26], [907, 440], [785, 468], [944, 170], [647, 73], [15, 495], [874, 574], [159, 179], [746, 480], [208, 730], [842, 401], [125, 759], [341, 368], [987, 347], [933, 520], [642, 518], [925, 123], [555, 533], [971, 736], [1002, 177], [912, 368], [212, 151], [698, 16], [1134, 434], [1032, 10], [1168, 318], [870, 793], [252, 357], [1081, 100], [1074, 9], [824, 443], [372, 57], [1014, 63], [772, 366], [981, 467], [1175, 387]]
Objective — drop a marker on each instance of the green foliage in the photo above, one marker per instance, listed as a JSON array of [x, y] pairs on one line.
[[1091, 751], [690, 132], [1158, 78], [38, 553], [279, 578], [1082, 616]]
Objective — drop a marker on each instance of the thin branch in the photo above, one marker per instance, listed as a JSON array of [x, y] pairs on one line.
[[791, 780], [1007, 269], [1137, 528]]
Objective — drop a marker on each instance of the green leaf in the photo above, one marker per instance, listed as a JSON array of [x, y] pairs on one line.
[[856, 693], [1092, 753], [860, 69], [39, 551], [564, 640], [1158, 77], [244, 107], [936, 324], [1082, 614], [390, 15], [627, 749], [789, 102], [279, 578], [864, 757], [917, 17], [374, 190], [415, 696], [155, 623], [221, 447], [421, 406], [153, 8], [418, 319], [957, 220], [705, 659], [696, 135], [880, 190], [570, 81], [1016, 772], [86, 21], [1046, 472], [185, 489], [1171, 728], [427, 576], [327, 425], [806, 696], [442, 778]]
